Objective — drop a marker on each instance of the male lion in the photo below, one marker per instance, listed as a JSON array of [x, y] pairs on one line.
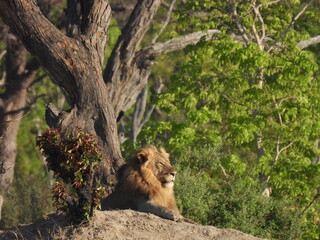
[[145, 183]]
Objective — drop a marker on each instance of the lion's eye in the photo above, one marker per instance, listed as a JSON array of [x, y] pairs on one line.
[[161, 163]]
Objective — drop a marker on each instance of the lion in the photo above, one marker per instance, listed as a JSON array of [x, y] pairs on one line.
[[145, 183]]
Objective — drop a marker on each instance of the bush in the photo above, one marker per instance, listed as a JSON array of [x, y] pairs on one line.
[[74, 162], [28, 199], [208, 196], [242, 206]]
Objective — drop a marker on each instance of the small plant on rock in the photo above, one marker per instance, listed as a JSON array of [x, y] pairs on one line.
[[74, 162]]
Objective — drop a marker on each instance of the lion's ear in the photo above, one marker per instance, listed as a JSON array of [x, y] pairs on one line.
[[143, 155], [164, 153]]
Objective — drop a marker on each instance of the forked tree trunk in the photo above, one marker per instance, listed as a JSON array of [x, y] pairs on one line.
[[75, 63]]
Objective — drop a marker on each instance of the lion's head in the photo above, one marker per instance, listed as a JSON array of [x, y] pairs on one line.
[[155, 162]]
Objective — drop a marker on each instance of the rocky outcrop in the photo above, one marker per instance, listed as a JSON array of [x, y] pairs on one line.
[[124, 224]]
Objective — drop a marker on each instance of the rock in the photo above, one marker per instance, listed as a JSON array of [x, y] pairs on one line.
[[122, 224]]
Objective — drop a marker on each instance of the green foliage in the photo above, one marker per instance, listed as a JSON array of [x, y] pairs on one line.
[[241, 206], [74, 161], [114, 33], [259, 104], [28, 160], [27, 200], [209, 194]]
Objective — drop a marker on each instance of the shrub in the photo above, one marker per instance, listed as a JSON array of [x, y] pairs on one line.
[[209, 195], [74, 161], [28, 199], [242, 206]]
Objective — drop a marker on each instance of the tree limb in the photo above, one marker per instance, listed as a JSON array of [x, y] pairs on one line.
[[165, 23], [131, 37], [289, 26], [306, 43], [42, 39], [174, 44], [3, 77], [258, 16], [240, 27], [96, 20], [141, 116]]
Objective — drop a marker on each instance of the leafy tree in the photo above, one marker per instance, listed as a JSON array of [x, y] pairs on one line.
[[254, 89]]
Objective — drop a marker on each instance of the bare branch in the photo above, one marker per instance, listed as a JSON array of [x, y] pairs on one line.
[[42, 39], [278, 152], [175, 44], [140, 116], [306, 43], [240, 27], [315, 198], [284, 148], [261, 38], [38, 79], [223, 171], [165, 23], [95, 25], [290, 25], [3, 77], [122, 59], [150, 111], [131, 36], [3, 52], [231, 98], [268, 3]]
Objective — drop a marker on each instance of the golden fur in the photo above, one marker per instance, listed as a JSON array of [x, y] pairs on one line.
[[145, 183]]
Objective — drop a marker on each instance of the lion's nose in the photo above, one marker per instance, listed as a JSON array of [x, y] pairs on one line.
[[173, 174]]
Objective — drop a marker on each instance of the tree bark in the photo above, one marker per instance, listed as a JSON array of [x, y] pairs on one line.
[[19, 76], [75, 65], [74, 62]]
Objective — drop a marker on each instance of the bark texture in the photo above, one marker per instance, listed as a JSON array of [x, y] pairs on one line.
[[19, 75], [74, 61]]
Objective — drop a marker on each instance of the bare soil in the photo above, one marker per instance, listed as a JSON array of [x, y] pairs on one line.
[[124, 224]]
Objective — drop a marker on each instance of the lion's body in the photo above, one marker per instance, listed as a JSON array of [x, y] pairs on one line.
[[145, 183]]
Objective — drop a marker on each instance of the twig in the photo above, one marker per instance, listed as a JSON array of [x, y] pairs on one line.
[[231, 98], [38, 79], [3, 77], [268, 3], [26, 108], [290, 25], [241, 28], [165, 23], [261, 38], [223, 170], [2, 54], [316, 197]]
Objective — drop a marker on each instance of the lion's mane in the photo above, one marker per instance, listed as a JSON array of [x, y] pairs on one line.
[[145, 183]]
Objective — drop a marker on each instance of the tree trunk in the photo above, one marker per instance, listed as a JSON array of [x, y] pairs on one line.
[[75, 64], [12, 105]]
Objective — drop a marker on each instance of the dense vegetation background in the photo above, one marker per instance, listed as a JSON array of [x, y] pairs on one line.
[[239, 115]]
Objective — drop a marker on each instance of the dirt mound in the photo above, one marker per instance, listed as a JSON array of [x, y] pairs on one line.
[[124, 224]]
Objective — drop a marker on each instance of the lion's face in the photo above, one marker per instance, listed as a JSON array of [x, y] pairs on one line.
[[158, 162]]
